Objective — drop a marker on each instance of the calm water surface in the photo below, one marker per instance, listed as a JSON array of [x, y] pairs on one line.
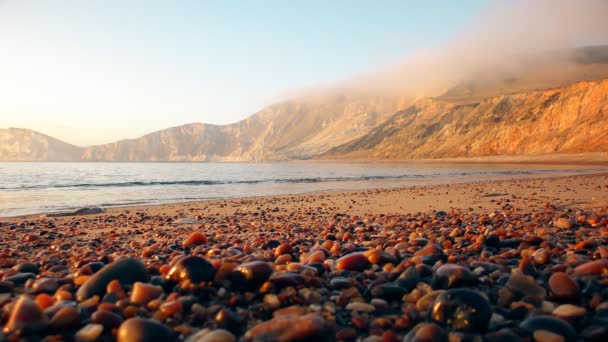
[[27, 188]]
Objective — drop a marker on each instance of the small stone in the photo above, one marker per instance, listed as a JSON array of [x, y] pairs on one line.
[[193, 268], [67, 317], [142, 293], [143, 330], [549, 324], [591, 268], [272, 301], [547, 336], [305, 328], [426, 332], [353, 262], [126, 271], [569, 311], [424, 304], [462, 310], [25, 315], [108, 319], [206, 335], [282, 249], [561, 286], [89, 333], [563, 222], [451, 276], [525, 286], [250, 275], [194, 239], [360, 307]]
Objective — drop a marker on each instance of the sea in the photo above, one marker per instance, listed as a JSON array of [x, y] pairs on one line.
[[33, 188]]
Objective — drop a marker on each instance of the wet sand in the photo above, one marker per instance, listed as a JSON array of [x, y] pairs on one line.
[[512, 259]]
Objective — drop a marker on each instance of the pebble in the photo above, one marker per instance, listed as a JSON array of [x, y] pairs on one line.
[[89, 333], [426, 332], [192, 268], [25, 315], [206, 335], [143, 330], [462, 310], [142, 293], [126, 271], [353, 262], [549, 324], [250, 275], [452, 275], [194, 239], [305, 328], [561, 286]]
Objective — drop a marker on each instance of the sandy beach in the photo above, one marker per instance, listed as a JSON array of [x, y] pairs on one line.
[[372, 265]]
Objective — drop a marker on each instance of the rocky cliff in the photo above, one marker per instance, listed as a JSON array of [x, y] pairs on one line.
[[18, 144], [569, 119]]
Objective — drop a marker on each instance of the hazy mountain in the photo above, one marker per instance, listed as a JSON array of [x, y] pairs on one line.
[[568, 119], [18, 144], [506, 101]]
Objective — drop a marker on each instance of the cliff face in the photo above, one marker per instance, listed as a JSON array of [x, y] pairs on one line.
[[497, 111], [18, 144], [569, 119], [295, 129]]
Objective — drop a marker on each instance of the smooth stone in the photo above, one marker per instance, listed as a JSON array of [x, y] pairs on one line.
[[452, 275], [525, 286], [591, 268], [250, 275], [207, 335], [290, 328], [143, 330], [562, 286], [551, 324], [563, 222], [19, 279], [194, 239], [426, 332], [108, 319], [353, 262], [89, 333], [27, 267], [462, 310], [282, 249], [409, 278], [360, 307], [25, 315], [424, 304], [287, 279], [126, 271], [67, 317], [547, 336], [569, 311], [193, 268], [431, 250], [142, 293], [388, 291]]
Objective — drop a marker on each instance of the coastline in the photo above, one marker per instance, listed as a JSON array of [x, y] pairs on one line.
[[465, 193]]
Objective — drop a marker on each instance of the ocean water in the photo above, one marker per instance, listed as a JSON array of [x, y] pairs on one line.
[[29, 188]]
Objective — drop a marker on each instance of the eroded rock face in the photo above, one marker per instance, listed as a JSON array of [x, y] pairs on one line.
[[569, 119]]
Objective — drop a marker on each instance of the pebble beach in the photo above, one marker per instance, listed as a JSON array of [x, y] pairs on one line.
[[517, 259]]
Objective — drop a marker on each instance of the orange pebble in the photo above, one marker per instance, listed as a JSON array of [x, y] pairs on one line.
[[115, 287], [195, 239], [63, 295], [81, 280], [44, 301]]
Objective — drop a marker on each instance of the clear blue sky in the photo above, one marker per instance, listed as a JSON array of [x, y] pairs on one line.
[[93, 71]]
